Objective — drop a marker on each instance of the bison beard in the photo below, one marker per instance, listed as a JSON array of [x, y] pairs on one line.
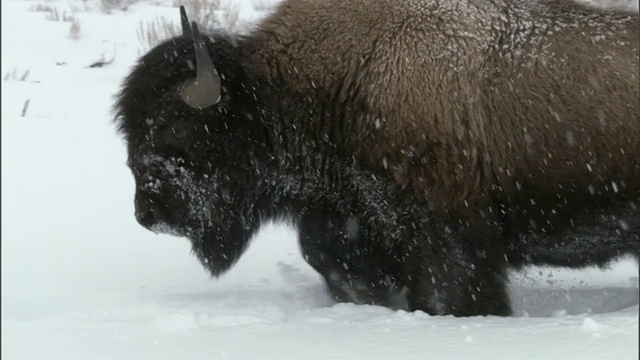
[[224, 133]]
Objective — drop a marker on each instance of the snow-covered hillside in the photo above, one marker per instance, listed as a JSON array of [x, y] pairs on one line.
[[82, 280]]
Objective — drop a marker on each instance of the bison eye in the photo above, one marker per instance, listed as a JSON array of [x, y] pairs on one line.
[[179, 135]]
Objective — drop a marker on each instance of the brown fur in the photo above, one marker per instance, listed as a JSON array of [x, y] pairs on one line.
[[468, 101]]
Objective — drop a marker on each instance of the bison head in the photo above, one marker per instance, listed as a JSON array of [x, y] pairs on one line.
[[182, 112]]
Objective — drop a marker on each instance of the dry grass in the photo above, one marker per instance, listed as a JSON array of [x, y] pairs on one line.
[[53, 14], [153, 32], [209, 14], [263, 5], [16, 75], [629, 4], [25, 107], [202, 11], [41, 8]]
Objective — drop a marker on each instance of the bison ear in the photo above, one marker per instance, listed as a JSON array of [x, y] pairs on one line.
[[203, 91], [186, 28]]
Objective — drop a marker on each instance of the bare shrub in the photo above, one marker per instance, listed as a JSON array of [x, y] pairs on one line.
[[108, 6]]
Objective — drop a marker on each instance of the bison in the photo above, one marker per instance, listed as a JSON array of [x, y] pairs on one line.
[[422, 148]]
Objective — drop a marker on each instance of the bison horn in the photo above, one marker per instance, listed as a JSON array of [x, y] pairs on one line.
[[204, 90], [186, 28]]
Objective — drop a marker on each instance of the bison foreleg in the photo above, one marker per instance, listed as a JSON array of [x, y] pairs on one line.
[[357, 268]]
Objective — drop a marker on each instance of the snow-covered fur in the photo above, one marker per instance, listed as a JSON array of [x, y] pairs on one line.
[[422, 147]]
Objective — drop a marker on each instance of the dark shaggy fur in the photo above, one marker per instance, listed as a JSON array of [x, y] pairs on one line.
[[421, 147]]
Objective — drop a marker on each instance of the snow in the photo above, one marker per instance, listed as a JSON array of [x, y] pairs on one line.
[[82, 280]]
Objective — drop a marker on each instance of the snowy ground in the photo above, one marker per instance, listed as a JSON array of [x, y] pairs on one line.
[[81, 280]]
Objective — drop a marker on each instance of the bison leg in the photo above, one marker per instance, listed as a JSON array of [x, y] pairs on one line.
[[355, 269], [459, 272]]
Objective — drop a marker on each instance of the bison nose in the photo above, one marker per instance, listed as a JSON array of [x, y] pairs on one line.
[[147, 214], [146, 217]]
